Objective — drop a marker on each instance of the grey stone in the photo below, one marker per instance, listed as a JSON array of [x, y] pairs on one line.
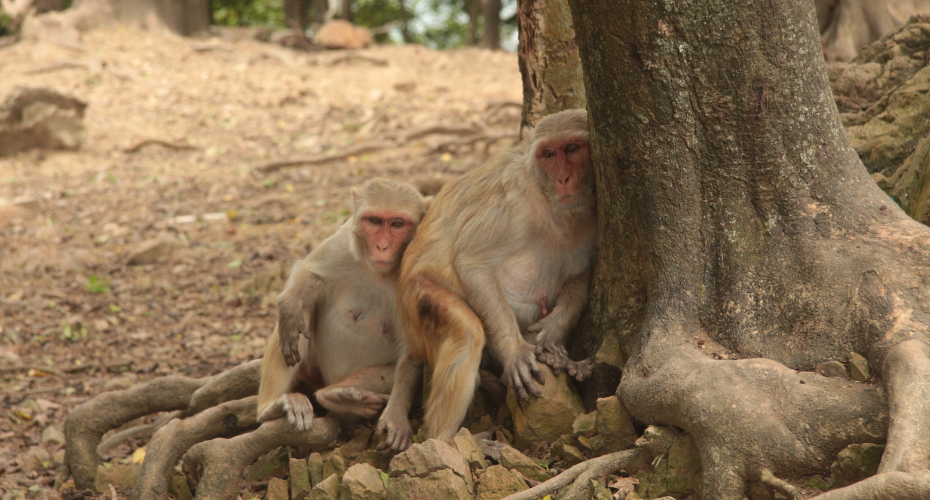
[[585, 425], [422, 459], [440, 485], [833, 369], [328, 489], [277, 489], [299, 478], [315, 468], [469, 449], [362, 482]]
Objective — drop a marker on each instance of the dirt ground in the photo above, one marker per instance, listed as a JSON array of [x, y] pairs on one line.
[[76, 320]]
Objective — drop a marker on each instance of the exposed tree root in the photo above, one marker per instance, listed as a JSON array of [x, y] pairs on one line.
[[780, 485], [377, 61], [579, 475], [138, 432], [441, 129], [355, 150], [171, 442], [87, 423], [219, 463], [889, 485], [158, 142], [239, 382]]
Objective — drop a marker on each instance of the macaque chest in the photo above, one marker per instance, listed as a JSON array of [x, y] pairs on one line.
[[532, 280], [360, 321]]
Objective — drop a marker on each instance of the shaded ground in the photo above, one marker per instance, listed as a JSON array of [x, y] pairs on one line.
[[84, 321]]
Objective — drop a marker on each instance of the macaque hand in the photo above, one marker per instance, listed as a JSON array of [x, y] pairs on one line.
[[290, 326], [580, 370], [352, 400], [295, 406], [521, 371], [399, 433], [553, 354]]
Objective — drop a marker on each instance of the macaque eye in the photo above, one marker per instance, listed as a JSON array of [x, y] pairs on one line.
[[571, 148], [375, 220], [548, 152], [397, 223]]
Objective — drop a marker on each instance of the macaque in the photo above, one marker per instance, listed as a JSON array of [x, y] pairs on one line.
[[503, 257], [337, 329]]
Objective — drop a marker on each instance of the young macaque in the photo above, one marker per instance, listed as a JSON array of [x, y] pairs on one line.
[[337, 329], [504, 256]]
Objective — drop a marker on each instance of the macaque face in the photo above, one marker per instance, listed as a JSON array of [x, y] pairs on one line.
[[386, 234], [568, 164]]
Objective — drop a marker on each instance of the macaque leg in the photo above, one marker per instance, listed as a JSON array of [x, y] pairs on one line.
[[275, 396], [907, 381], [456, 361], [395, 418], [363, 392], [553, 328]]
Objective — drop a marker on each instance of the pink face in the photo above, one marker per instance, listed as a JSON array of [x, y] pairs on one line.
[[386, 233], [567, 162]]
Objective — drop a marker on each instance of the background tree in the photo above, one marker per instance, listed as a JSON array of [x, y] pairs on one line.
[[849, 25], [743, 244]]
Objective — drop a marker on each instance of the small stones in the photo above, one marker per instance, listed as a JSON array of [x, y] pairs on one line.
[[328, 489], [615, 429], [585, 425], [315, 468], [277, 489], [513, 459], [832, 369], [35, 458], [497, 482], [51, 435], [858, 367], [299, 479], [467, 447], [362, 482], [334, 464]]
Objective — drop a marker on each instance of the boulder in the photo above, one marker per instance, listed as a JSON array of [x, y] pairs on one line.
[[443, 484], [423, 459], [362, 482], [545, 418]]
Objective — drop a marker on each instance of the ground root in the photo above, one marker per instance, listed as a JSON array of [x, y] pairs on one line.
[[171, 442], [219, 463], [87, 423], [579, 475], [896, 485], [137, 432]]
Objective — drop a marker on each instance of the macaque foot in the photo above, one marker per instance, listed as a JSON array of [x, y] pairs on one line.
[[488, 446], [352, 400], [521, 372], [399, 433], [580, 370], [295, 406]]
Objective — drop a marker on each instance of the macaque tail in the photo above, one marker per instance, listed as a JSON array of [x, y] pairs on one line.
[[456, 362]]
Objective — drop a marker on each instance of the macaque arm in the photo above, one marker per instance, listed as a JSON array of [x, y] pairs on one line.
[[394, 420], [553, 329], [275, 399], [486, 298], [296, 309]]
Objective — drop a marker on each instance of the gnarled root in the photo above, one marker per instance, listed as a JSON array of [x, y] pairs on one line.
[[579, 475], [896, 485], [219, 462], [174, 439], [87, 423], [906, 374], [137, 432]]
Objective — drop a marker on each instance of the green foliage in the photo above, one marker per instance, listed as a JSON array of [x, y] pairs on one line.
[[267, 13], [97, 284], [6, 25], [377, 13]]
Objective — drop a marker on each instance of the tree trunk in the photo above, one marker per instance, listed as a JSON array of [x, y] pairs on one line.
[[474, 7], [491, 36], [347, 10], [549, 61], [184, 17], [295, 13], [742, 244]]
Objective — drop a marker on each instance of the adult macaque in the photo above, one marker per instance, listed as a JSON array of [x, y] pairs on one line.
[[341, 298], [504, 256]]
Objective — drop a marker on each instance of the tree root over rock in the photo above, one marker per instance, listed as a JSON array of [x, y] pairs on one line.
[[171, 442], [219, 463], [579, 475]]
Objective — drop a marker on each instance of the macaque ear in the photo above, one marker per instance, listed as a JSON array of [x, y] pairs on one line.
[[526, 132]]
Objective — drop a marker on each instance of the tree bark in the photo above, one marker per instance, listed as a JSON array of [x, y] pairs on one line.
[[474, 7], [183, 17], [347, 10], [319, 11], [549, 61], [295, 13], [742, 243], [491, 36]]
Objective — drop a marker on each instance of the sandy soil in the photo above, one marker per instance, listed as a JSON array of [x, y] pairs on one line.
[[75, 320]]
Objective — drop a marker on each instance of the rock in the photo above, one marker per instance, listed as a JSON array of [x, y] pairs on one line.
[[35, 117], [277, 489], [374, 459], [832, 369], [684, 466], [858, 367], [658, 440], [585, 425], [153, 250], [358, 444], [467, 447], [51, 435], [615, 429], [855, 463], [513, 459], [571, 455], [497, 482], [35, 458], [299, 478], [558, 450], [423, 458], [328, 489], [120, 476], [334, 464], [275, 463], [315, 468], [818, 483], [545, 418], [362, 482], [340, 34], [179, 487], [624, 486], [443, 484]]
